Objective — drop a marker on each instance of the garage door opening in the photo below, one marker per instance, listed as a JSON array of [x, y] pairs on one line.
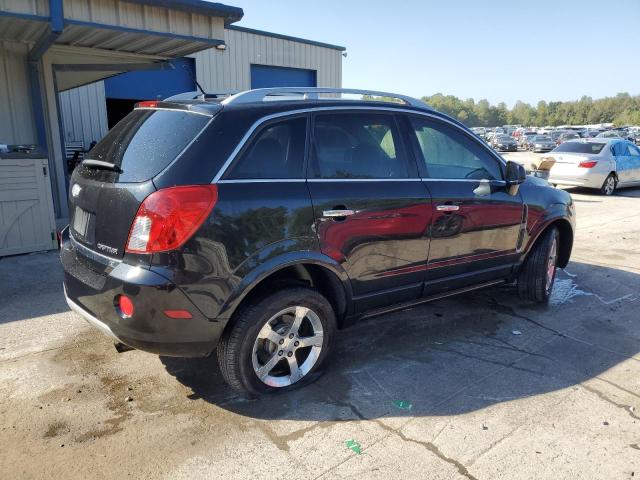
[[265, 76], [123, 91], [118, 108]]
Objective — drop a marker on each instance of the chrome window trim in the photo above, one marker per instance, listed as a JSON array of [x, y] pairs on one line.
[[264, 180], [319, 180], [347, 108]]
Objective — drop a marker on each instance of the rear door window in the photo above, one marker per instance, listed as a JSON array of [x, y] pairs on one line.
[[357, 146], [146, 141], [276, 152]]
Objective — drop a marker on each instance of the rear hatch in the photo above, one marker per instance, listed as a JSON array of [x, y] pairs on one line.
[[108, 187]]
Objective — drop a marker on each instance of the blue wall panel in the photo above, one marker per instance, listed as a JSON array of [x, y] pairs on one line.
[[153, 84], [264, 76]]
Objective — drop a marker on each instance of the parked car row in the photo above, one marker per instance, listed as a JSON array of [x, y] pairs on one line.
[[547, 138]]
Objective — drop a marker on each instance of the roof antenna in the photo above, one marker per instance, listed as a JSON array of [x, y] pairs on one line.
[[204, 95]]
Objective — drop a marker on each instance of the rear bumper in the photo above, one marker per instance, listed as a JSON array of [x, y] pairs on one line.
[[103, 327], [592, 180], [92, 293]]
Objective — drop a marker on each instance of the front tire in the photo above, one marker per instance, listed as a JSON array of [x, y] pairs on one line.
[[278, 342], [609, 185], [536, 279]]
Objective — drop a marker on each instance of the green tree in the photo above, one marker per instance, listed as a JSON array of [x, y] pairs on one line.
[[623, 109]]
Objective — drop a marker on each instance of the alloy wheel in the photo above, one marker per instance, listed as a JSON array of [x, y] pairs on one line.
[[288, 346], [551, 263], [609, 185]]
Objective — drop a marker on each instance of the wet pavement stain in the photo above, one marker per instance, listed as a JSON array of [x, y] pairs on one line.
[[55, 429]]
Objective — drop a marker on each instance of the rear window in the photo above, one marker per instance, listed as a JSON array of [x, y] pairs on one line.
[[580, 147], [144, 142]]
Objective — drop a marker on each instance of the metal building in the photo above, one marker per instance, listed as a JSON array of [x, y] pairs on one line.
[[69, 69]]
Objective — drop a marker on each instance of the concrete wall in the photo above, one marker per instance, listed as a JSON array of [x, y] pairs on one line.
[[16, 119], [230, 70]]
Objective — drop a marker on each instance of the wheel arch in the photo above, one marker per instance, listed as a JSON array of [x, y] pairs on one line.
[[315, 271], [565, 229]]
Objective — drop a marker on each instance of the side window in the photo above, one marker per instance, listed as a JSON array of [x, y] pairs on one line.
[[277, 151], [633, 150], [619, 149], [450, 155], [357, 145]]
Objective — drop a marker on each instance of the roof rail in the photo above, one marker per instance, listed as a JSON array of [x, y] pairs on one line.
[[311, 93]]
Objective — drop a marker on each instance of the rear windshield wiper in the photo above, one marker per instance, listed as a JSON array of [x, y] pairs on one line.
[[99, 164]]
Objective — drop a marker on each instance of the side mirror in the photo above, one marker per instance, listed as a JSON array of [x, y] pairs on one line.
[[515, 173]]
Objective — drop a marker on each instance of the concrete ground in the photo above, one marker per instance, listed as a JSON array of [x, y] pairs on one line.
[[478, 386]]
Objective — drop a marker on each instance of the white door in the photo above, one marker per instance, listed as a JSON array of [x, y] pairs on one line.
[[27, 222]]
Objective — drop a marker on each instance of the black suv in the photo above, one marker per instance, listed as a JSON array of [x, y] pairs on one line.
[[261, 224]]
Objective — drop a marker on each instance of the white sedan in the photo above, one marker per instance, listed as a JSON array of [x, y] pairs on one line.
[[601, 163]]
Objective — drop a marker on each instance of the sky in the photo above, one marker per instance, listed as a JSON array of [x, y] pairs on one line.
[[503, 51]]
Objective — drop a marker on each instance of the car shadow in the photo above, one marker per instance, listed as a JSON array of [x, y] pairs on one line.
[[31, 286], [632, 192], [455, 355]]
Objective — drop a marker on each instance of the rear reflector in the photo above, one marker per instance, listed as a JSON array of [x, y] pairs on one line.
[[169, 217], [588, 164], [125, 305], [178, 314]]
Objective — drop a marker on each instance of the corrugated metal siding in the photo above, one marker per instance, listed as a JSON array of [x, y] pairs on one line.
[[29, 7], [160, 19], [84, 113], [16, 120], [84, 109], [230, 70]]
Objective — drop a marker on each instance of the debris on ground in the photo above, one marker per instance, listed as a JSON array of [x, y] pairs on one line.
[[516, 332], [403, 404], [353, 446]]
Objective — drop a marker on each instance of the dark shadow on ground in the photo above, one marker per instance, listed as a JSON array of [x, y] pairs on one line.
[[455, 355], [633, 192], [31, 286]]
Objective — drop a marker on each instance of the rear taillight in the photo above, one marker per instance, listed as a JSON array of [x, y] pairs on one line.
[[169, 217], [587, 164]]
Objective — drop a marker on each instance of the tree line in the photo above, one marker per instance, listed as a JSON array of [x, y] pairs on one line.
[[623, 109]]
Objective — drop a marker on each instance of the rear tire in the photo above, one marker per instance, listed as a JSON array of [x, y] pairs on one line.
[[609, 185], [536, 279], [264, 351]]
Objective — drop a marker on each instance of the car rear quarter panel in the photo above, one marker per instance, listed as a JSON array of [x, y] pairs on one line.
[[250, 224]]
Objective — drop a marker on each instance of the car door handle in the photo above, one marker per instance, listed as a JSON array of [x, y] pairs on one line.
[[337, 213], [448, 208]]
